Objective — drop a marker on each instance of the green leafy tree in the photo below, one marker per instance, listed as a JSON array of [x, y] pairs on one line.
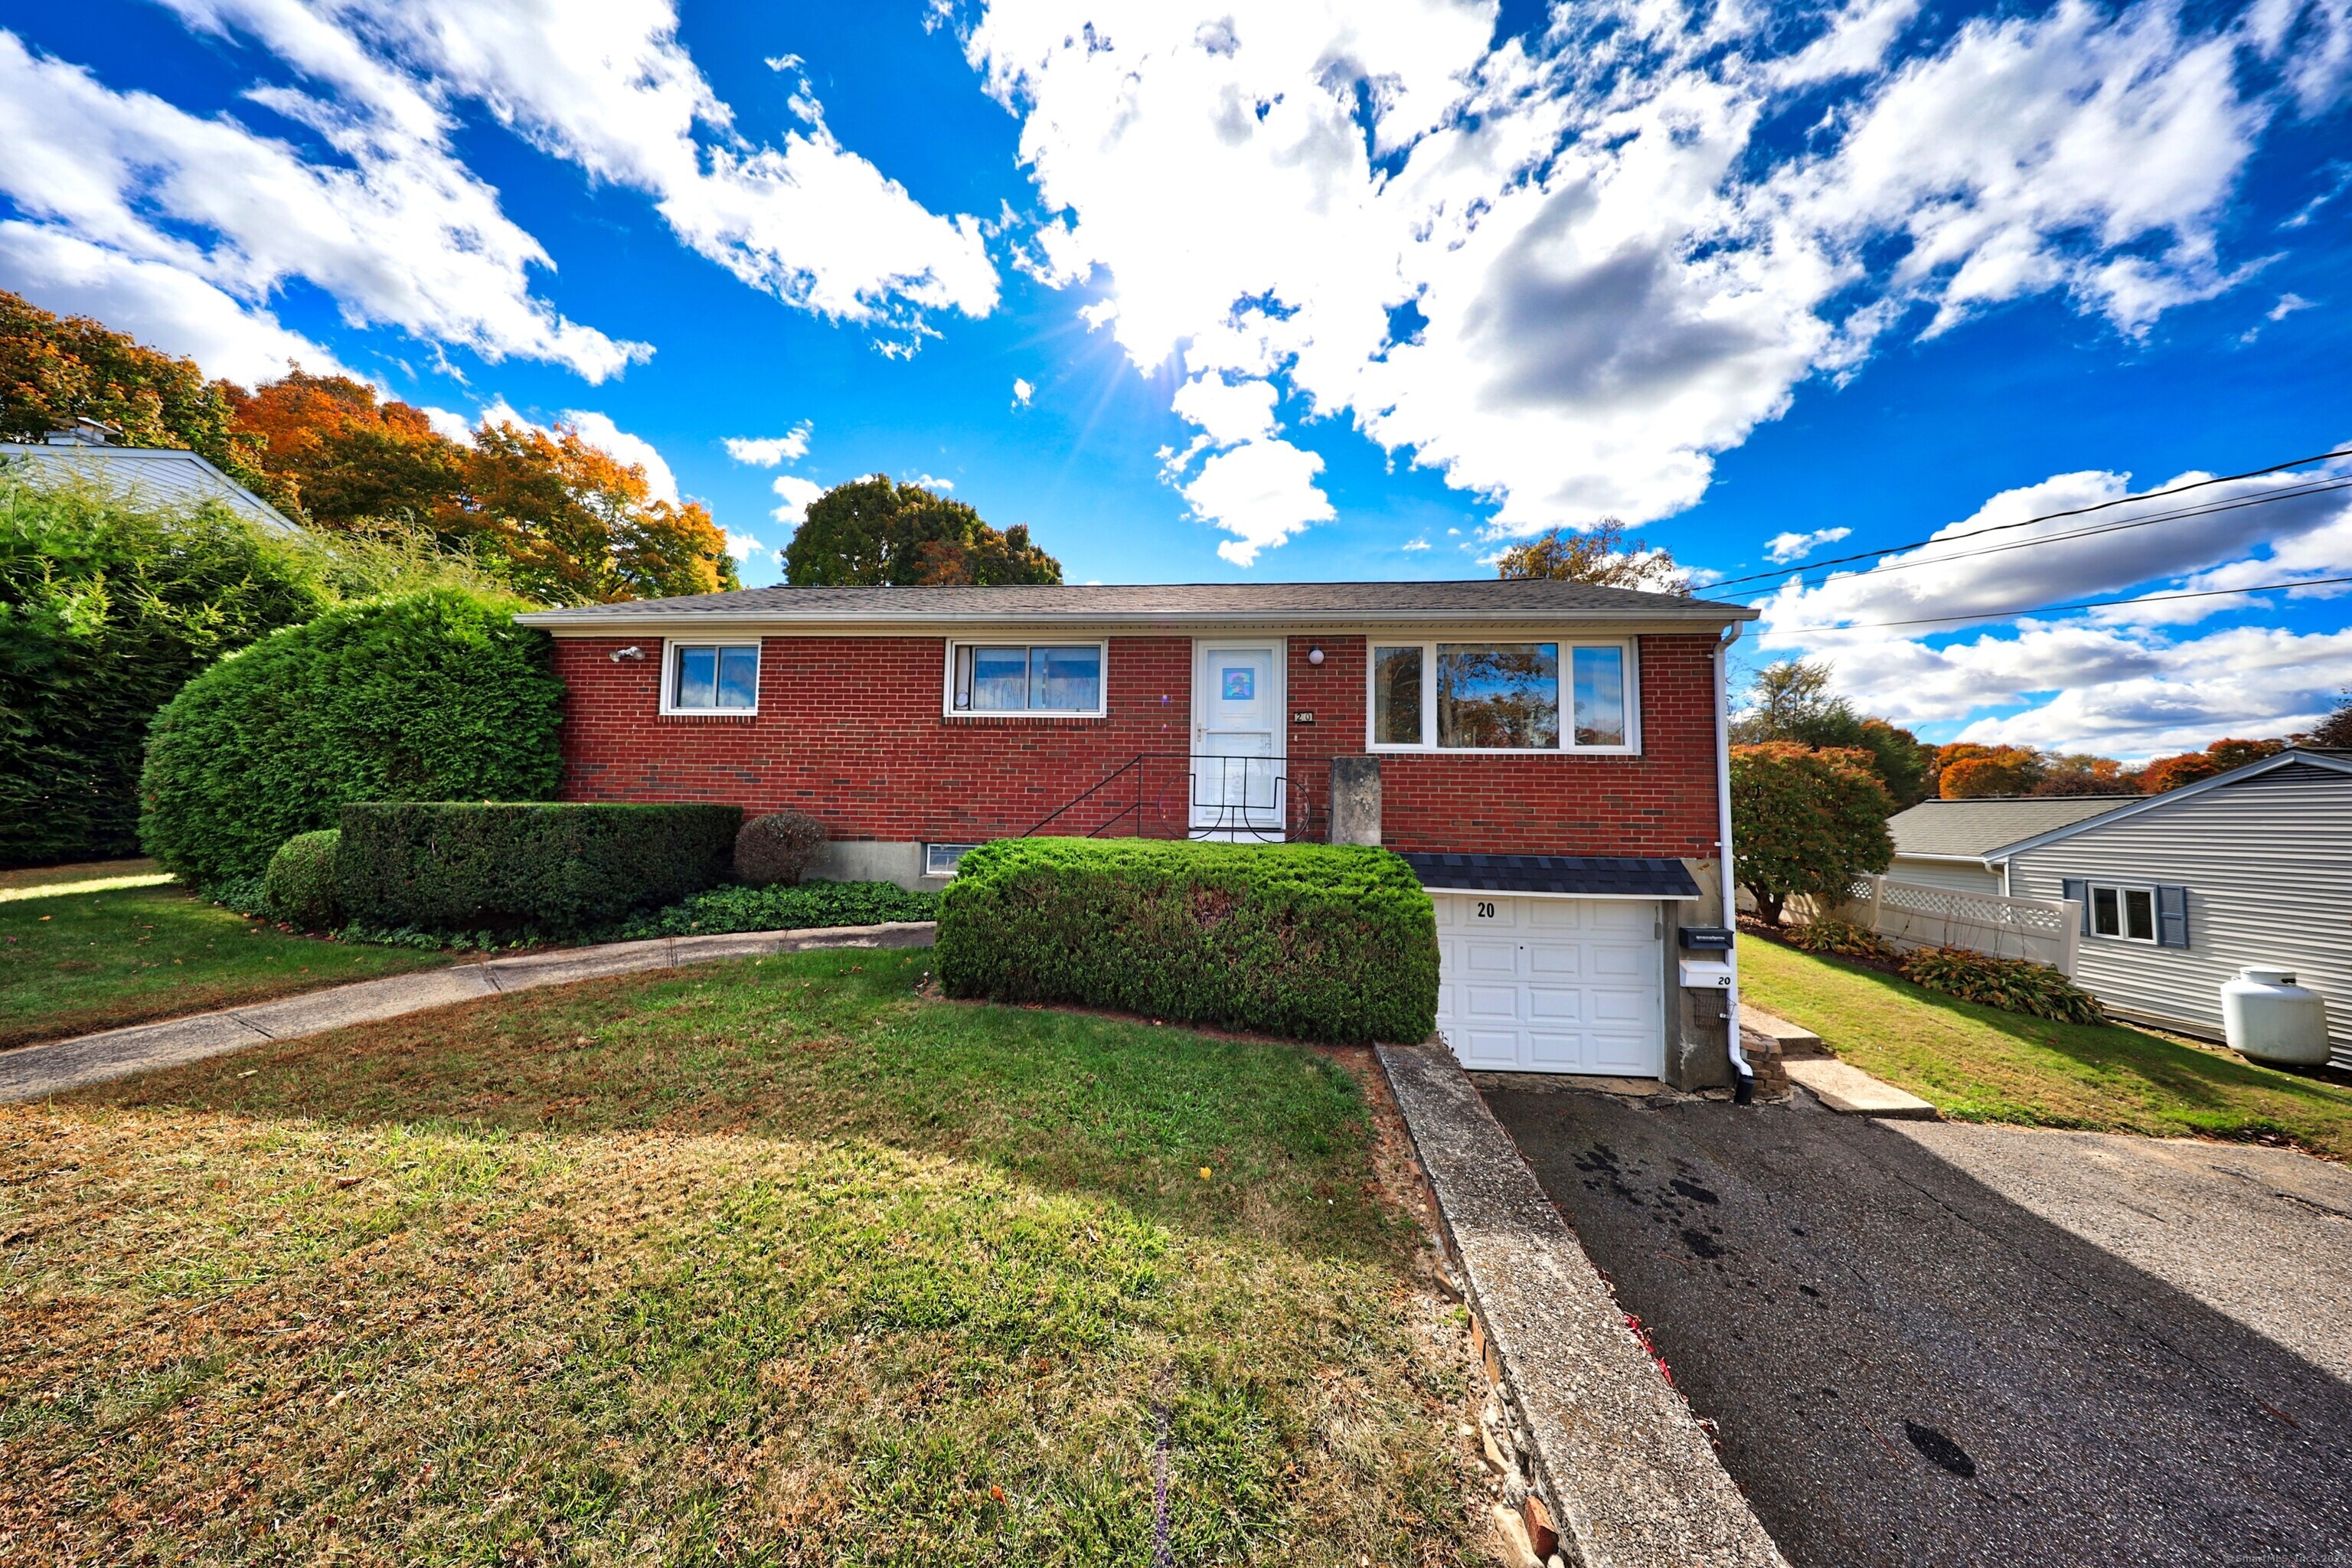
[[56, 369], [1805, 823], [873, 531], [1791, 700], [105, 610], [436, 695], [1601, 555]]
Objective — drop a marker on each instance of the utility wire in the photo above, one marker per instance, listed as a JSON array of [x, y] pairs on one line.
[[2030, 521], [2207, 508], [2059, 609]]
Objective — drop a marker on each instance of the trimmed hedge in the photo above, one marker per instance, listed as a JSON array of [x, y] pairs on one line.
[[431, 695], [569, 866], [795, 908], [1317, 942], [299, 885]]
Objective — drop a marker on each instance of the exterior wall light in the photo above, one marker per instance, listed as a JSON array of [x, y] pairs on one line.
[[632, 651], [1314, 656]]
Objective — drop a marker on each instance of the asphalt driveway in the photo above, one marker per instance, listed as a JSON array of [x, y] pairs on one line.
[[1928, 1343]]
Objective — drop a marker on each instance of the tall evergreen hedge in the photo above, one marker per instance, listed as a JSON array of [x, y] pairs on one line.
[[566, 867], [434, 695], [1317, 942], [106, 609]]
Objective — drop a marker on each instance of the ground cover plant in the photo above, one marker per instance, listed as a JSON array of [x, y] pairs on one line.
[[72, 963], [1317, 942], [1977, 1063], [786, 908], [2013, 984], [781, 1261]]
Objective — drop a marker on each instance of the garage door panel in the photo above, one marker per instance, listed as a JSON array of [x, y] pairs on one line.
[[1552, 985]]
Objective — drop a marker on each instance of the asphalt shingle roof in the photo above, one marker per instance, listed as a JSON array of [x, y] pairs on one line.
[[1476, 598], [1625, 876], [1981, 826]]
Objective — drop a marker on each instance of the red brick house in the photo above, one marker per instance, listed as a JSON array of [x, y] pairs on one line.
[[1548, 755]]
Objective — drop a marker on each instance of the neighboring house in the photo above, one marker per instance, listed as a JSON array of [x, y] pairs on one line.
[[1547, 755], [1951, 843], [157, 476], [2182, 889]]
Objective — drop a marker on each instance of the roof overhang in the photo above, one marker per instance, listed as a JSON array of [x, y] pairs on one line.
[[772, 623], [1556, 875]]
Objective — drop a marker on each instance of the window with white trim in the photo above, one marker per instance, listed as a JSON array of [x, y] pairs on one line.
[[1503, 697], [2125, 912], [710, 677], [1061, 679]]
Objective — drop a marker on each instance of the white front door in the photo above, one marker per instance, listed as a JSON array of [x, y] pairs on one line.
[[1551, 984], [1237, 733]]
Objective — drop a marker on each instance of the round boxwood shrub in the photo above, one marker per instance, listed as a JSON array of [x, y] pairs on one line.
[[776, 850], [435, 695], [299, 885]]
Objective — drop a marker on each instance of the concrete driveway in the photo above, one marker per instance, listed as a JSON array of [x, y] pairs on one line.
[[1942, 1345]]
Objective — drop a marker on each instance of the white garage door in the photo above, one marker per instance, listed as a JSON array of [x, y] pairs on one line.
[[1537, 984]]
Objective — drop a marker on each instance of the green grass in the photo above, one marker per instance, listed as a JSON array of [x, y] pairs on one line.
[[72, 963], [1980, 1064], [782, 1261]]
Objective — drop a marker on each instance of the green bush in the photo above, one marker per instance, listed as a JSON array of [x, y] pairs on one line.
[[106, 609], [796, 908], [464, 866], [435, 694], [1318, 941], [2012, 984], [1834, 935], [299, 885]]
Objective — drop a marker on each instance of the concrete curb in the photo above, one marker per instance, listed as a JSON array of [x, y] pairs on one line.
[[1629, 1477], [28, 1072], [1850, 1091]]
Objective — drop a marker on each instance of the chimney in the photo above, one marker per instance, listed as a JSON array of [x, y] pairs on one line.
[[86, 432]]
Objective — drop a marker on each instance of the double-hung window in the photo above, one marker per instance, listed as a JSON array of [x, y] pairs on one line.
[[1063, 680], [711, 678], [1503, 697], [2127, 912]]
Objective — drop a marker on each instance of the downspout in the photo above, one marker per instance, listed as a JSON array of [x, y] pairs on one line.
[[1743, 1092]]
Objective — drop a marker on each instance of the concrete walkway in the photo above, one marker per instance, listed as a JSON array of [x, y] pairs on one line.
[[29, 1072]]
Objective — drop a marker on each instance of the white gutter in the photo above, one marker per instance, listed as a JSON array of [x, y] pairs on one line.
[[1744, 1090]]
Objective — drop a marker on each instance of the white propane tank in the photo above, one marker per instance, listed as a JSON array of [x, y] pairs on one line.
[[2266, 1016]]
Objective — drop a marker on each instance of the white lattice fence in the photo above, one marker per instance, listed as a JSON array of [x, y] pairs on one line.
[[1913, 914]]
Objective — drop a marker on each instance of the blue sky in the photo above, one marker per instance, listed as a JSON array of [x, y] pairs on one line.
[[1293, 291]]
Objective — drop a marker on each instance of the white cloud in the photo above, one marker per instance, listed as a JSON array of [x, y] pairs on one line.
[[767, 451], [599, 430], [2124, 680], [1262, 492], [2288, 304], [155, 302], [1783, 548], [402, 235], [931, 482], [612, 89], [1610, 277], [795, 493], [451, 424], [1022, 391], [743, 547], [1416, 544]]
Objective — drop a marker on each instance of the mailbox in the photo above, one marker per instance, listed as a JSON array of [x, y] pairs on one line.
[[1707, 939], [1705, 975]]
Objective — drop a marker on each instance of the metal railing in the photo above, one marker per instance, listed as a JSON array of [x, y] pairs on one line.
[[1244, 798]]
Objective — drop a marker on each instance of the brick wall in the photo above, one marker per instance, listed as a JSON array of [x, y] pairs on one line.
[[850, 731]]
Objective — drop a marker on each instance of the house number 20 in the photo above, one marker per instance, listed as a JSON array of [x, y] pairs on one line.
[[1485, 911]]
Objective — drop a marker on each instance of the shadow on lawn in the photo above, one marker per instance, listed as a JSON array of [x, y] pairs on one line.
[[2215, 1083], [841, 1044]]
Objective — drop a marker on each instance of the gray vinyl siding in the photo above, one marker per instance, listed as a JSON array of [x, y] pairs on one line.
[[2268, 866], [1965, 876]]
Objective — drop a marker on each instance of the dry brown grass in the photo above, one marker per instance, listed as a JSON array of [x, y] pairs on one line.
[[775, 1262]]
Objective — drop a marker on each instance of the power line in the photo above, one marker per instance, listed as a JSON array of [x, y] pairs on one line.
[[2030, 521], [2207, 508], [2059, 609]]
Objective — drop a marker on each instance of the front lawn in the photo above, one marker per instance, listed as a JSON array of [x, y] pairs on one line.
[[1980, 1064], [72, 963], [782, 1261]]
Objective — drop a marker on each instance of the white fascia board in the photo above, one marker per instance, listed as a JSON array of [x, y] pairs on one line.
[[2288, 757], [566, 623]]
